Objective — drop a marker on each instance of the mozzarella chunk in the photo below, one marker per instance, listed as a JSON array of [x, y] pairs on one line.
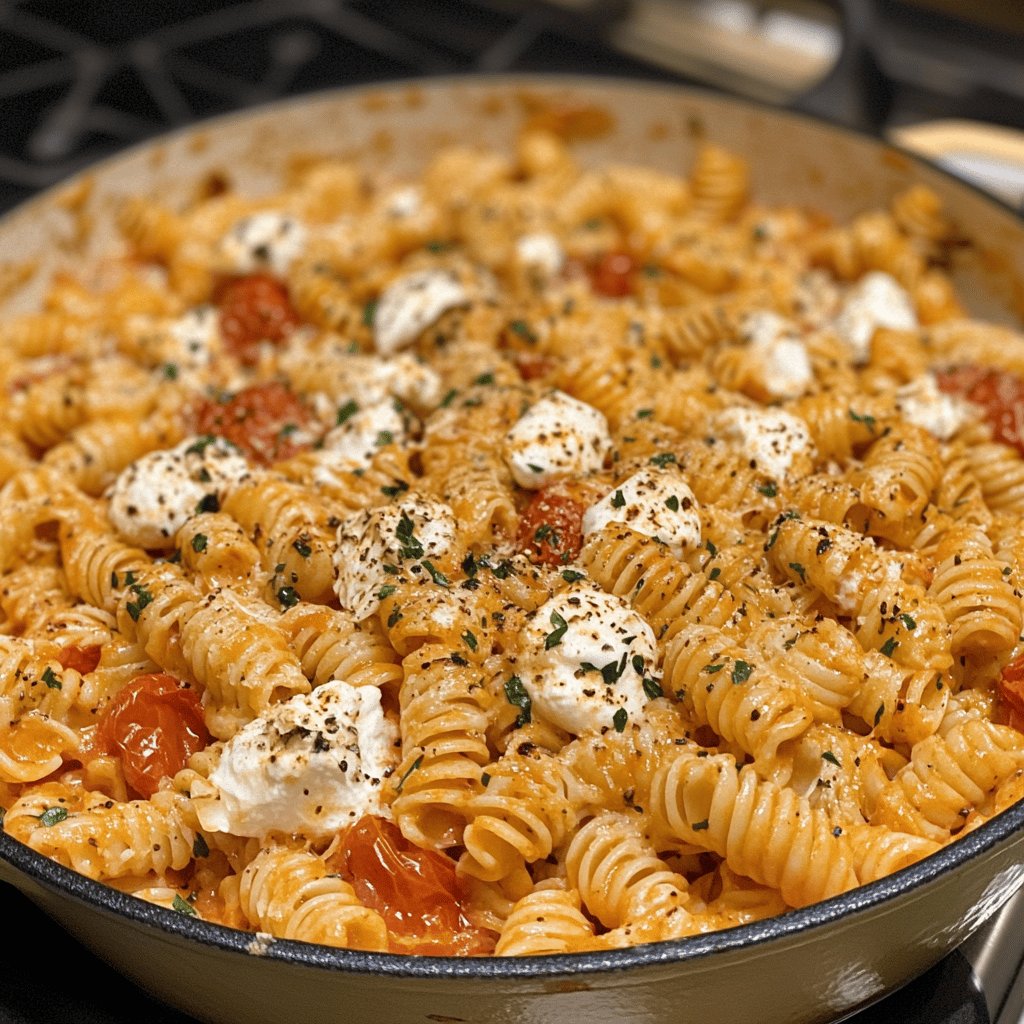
[[194, 340], [586, 656], [923, 404], [262, 241], [403, 202], [656, 502], [556, 437], [410, 304], [540, 252], [354, 443], [779, 354], [773, 439], [154, 496], [414, 528], [311, 764], [876, 300]]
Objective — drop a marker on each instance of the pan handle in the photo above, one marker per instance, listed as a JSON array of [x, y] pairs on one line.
[[855, 92]]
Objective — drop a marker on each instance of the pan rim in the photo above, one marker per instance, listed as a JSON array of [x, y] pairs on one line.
[[66, 882]]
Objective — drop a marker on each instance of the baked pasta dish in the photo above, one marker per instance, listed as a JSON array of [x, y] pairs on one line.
[[527, 558]]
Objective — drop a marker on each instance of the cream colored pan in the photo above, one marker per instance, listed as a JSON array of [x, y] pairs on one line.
[[816, 964]]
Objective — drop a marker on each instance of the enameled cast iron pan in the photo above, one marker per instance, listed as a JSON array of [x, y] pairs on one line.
[[811, 965]]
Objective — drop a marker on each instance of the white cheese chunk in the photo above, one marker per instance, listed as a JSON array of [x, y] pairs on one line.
[[263, 241], [194, 342], [773, 439], [586, 654], [556, 437], [404, 202], [656, 502], [311, 764], [414, 528], [354, 443], [923, 404], [154, 496], [540, 252], [410, 304], [876, 300], [778, 351]]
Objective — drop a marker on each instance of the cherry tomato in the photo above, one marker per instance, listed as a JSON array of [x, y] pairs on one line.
[[612, 274], [550, 529], [254, 309], [81, 659], [533, 367], [155, 723], [415, 891], [1010, 689], [1000, 396], [265, 421]]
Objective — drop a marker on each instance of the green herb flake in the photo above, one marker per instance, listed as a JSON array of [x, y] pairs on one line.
[[672, 502], [485, 779], [208, 503], [712, 669], [572, 576], [619, 719], [408, 771], [386, 591], [200, 445], [889, 646], [395, 489], [878, 714], [868, 421], [799, 570], [384, 437], [700, 826], [142, 598], [831, 758], [448, 398], [741, 671], [515, 694], [199, 847], [395, 617], [288, 597], [171, 371], [53, 816], [369, 313], [554, 638], [522, 328], [199, 542], [436, 575], [411, 547], [644, 414], [618, 499], [908, 622], [51, 680], [183, 906], [663, 459], [652, 688], [484, 380], [769, 490], [714, 574], [469, 638]]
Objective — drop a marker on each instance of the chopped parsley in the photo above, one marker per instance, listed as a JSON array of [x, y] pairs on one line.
[[652, 688], [619, 719], [436, 575], [142, 598], [448, 398], [53, 816], [672, 502], [302, 546], [522, 328], [889, 646], [700, 826], [618, 499], [644, 414], [799, 570], [868, 421], [515, 694], [208, 503], [714, 574], [572, 576], [908, 622], [395, 617], [663, 459], [386, 591], [712, 669], [484, 379], [831, 758], [51, 680], [408, 771], [395, 489], [741, 671], [411, 547], [554, 638], [287, 596], [469, 638], [199, 847], [878, 714], [183, 906], [769, 490], [199, 543], [370, 313], [383, 437]]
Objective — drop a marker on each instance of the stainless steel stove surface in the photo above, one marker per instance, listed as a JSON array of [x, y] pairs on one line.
[[81, 80]]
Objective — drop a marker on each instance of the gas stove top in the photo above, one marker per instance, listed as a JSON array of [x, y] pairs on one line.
[[80, 81]]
